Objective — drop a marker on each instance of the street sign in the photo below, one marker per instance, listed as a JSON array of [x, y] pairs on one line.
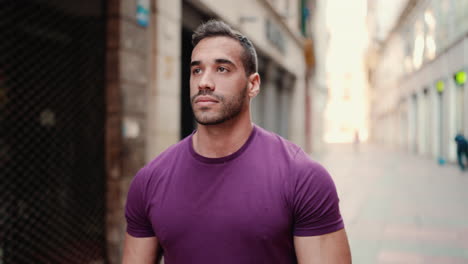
[[460, 78], [309, 52], [440, 86], [275, 36], [142, 12]]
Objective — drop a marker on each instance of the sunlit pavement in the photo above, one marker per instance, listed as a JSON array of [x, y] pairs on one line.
[[400, 208]]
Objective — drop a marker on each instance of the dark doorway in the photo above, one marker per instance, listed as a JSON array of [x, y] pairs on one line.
[[52, 131], [191, 18], [187, 121]]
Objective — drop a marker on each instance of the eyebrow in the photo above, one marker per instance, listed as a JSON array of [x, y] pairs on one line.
[[217, 61], [224, 61], [195, 63]]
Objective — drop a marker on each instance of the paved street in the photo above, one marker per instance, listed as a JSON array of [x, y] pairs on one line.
[[400, 208]]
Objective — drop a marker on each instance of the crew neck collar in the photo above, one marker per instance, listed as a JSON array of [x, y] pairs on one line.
[[225, 158]]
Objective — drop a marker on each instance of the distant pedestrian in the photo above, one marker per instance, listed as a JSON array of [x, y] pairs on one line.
[[462, 149], [232, 192], [357, 140]]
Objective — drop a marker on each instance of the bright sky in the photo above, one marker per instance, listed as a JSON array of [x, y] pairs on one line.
[[347, 106], [348, 103], [348, 36]]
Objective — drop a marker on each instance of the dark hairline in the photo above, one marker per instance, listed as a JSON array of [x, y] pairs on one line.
[[215, 28], [217, 61]]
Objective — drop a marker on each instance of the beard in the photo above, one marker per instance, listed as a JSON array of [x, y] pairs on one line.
[[230, 108]]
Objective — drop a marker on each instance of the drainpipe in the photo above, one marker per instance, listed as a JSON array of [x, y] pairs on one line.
[[310, 61]]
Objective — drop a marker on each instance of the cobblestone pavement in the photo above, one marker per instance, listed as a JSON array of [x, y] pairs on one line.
[[398, 207]]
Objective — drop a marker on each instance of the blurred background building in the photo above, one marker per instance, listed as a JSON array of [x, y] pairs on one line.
[[417, 73], [90, 91], [346, 115]]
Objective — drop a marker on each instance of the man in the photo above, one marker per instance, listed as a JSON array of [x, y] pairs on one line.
[[232, 192], [462, 149]]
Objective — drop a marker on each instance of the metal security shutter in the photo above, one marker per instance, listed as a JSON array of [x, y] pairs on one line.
[[52, 187]]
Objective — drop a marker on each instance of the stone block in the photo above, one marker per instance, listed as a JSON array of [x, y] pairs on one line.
[[169, 8], [128, 9], [133, 68], [133, 158], [167, 114], [163, 140], [163, 124], [134, 98], [168, 36], [168, 80], [134, 37]]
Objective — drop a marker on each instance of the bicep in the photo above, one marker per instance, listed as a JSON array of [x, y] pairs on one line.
[[140, 250], [332, 248]]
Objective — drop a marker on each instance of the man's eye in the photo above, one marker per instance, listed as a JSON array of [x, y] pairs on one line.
[[222, 69], [196, 71]]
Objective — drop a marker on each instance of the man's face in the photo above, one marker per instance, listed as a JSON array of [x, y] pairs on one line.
[[218, 83]]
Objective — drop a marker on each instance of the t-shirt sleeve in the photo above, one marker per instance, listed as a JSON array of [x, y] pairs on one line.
[[315, 202], [138, 222]]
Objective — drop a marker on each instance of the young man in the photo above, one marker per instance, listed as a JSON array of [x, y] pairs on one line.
[[232, 192]]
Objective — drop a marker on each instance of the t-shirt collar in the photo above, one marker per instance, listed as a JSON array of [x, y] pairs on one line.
[[225, 158]]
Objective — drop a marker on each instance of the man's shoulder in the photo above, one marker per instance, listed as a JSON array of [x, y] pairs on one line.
[[299, 160], [275, 144]]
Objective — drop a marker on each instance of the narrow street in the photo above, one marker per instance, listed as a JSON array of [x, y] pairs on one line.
[[400, 208]]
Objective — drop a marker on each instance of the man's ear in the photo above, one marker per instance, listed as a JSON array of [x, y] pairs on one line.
[[253, 84]]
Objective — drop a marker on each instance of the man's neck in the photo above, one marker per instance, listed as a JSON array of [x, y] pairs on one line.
[[221, 140]]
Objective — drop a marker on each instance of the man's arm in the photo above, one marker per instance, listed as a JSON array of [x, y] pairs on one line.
[[330, 248], [140, 250]]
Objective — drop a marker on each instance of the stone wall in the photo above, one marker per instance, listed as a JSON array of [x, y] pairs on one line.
[[127, 82], [164, 97]]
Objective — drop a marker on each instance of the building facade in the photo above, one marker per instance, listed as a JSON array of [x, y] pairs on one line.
[[418, 80]]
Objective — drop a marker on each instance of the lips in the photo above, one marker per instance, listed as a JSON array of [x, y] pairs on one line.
[[205, 99]]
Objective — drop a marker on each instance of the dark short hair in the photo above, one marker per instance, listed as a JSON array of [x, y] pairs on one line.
[[216, 28]]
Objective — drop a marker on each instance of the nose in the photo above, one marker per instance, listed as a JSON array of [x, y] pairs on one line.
[[206, 82]]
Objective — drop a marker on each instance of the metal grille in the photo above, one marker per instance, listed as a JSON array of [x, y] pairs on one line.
[[52, 131]]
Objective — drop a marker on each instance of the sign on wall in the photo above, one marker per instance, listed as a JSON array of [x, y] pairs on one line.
[[460, 78], [142, 12], [440, 86], [275, 36]]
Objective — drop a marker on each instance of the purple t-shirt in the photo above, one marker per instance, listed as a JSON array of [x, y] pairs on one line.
[[242, 208]]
